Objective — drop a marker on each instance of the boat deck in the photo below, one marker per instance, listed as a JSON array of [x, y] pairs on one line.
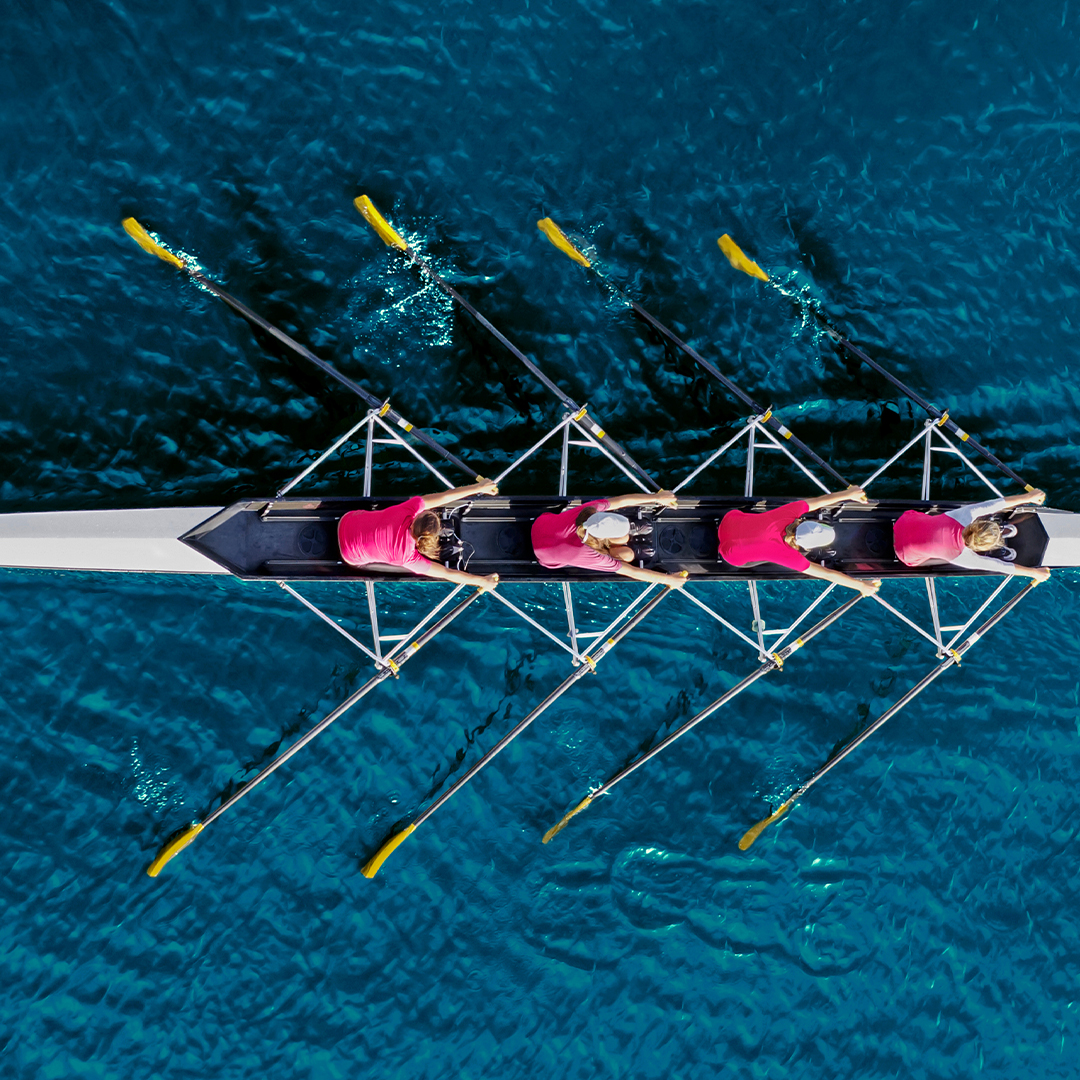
[[296, 539]]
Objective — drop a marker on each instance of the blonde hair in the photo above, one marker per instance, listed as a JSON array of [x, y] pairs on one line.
[[592, 541], [425, 531], [983, 535]]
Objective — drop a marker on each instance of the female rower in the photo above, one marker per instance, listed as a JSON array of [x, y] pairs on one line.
[[595, 537], [961, 537], [781, 536], [407, 535]]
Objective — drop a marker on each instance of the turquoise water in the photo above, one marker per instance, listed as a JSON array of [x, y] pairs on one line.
[[911, 167]]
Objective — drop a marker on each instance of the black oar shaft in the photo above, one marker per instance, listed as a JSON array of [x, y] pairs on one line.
[[771, 421], [371, 868], [391, 414], [393, 239], [942, 417], [948, 662], [148, 243]]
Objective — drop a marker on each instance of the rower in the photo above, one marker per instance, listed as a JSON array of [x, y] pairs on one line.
[[407, 536], [782, 535], [964, 537], [594, 536]]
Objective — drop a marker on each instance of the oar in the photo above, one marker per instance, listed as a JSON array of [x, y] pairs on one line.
[[954, 656], [741, 262], [371, 868], [148, 243], [392, 238], [774, 663], [562, 242], [392, 666]]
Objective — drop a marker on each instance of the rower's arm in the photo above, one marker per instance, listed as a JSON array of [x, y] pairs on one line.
[[974, 560], [445, 498], [640, 498], [653, 577], [458, 577], [835, 577], [1035, 497], [851, 494]]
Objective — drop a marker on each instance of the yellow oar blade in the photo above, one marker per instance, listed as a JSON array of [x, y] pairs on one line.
[[739, 260], [173, 847], [148, 243], [371, 867], [755, 831], [559, 239], [556, 829], [387, 234]]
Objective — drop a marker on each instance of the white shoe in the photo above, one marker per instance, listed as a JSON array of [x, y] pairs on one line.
[[1008, 531]]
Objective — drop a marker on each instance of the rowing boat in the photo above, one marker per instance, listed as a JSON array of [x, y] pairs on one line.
[[289, 539], [295, 539]]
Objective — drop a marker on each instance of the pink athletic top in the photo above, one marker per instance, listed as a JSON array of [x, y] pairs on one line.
[[754, 538], [382, 536], [920, 537], [555, 541]]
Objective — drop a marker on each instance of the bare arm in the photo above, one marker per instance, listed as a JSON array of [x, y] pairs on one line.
[[851, 494], [867, 588], [640, 498], [1035, 497], [458, 577], [672, 581], [973, 511], [973, 560], [445, 498]]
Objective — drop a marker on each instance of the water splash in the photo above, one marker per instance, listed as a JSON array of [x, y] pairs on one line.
[[150, 789]]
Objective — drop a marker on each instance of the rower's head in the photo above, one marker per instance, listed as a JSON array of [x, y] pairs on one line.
[[809, 535], [983, 535], [601, 528], [425, 531]]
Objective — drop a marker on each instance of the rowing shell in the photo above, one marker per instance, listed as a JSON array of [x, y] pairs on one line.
[[296, 540]]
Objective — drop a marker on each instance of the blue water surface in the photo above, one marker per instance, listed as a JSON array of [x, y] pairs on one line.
[[908, 167]]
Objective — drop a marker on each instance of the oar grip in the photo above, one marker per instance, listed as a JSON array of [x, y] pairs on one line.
[[556, 829], [755, 831], [387, 234], [372, 866], [148, 243], [559, 239], [737, 257], [174, 847]]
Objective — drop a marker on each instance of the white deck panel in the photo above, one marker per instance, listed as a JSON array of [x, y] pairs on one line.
[[1063, 529], [132, 541]]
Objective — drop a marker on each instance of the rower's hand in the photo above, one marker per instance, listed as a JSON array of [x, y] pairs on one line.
[[1038, 497], [869, 587], [1040, 573], [486, 487], [488, 582], [665, 498], [856, 494], [678, 581]]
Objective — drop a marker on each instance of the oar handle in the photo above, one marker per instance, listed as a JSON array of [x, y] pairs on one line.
[[392, 238]]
